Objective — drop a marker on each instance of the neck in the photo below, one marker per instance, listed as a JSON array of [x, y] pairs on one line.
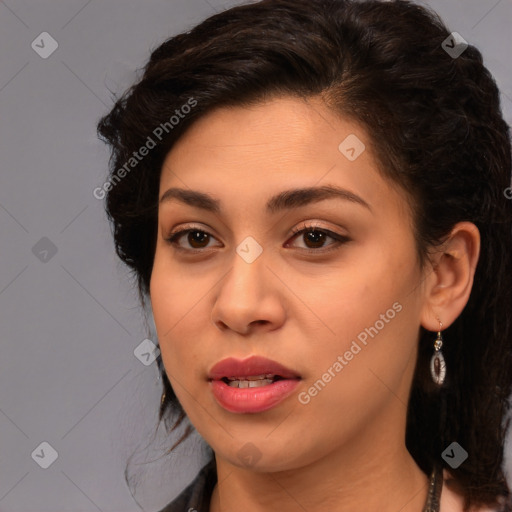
[[346, 480]]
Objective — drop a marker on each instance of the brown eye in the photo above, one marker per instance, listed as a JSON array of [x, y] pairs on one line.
[[315, 238], [196, 238]]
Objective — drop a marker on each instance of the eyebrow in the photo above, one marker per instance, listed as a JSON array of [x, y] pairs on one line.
[[285, 200]]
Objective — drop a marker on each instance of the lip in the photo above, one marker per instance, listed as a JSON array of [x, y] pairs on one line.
[[251, 400], [254, 365]]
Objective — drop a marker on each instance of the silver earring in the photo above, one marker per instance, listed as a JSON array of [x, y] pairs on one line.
[[437, 363]]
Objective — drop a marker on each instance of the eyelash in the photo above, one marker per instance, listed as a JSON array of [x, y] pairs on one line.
[[305, 228]]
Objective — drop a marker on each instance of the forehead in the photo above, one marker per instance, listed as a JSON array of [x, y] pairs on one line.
[[279, 144]]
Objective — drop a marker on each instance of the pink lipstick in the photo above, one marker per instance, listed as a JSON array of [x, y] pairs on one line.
[[252, 385]]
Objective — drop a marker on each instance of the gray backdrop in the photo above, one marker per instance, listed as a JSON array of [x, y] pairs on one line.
[[75, 400]]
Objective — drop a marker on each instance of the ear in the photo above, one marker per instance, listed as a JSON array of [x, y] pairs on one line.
[[449, 284]]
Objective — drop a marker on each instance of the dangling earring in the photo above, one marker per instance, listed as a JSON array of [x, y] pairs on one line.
[[437, 363]]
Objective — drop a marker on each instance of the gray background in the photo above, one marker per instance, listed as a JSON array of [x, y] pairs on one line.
[[70, 321]]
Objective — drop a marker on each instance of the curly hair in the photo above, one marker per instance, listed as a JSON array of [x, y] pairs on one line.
[[436, 124]]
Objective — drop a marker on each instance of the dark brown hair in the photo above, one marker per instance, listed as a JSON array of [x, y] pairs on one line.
[[437, 129]]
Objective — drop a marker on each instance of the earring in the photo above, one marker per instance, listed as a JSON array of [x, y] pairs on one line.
[[437, 363]]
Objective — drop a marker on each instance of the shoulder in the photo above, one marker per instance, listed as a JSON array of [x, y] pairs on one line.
[[451, 501]]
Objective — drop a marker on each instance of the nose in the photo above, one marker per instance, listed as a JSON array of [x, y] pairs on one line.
[[249, 297]]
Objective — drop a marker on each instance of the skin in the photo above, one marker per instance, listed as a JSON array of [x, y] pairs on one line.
[[345, 449]]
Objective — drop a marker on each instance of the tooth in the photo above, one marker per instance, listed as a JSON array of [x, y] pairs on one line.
[[263, 382], [254, 377], [249, 384]]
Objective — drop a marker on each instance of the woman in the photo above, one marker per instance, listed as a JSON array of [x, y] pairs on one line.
[[311, 195]]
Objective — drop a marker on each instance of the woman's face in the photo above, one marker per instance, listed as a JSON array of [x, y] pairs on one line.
[[339, 307]]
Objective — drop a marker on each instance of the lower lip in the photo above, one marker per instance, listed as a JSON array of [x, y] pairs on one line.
[[243, 400]]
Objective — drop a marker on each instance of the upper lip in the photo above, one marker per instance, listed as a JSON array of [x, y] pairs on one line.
[[250, 367]]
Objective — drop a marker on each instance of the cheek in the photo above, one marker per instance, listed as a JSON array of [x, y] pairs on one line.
[[175, 305], [363, 288], [372, 313]]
